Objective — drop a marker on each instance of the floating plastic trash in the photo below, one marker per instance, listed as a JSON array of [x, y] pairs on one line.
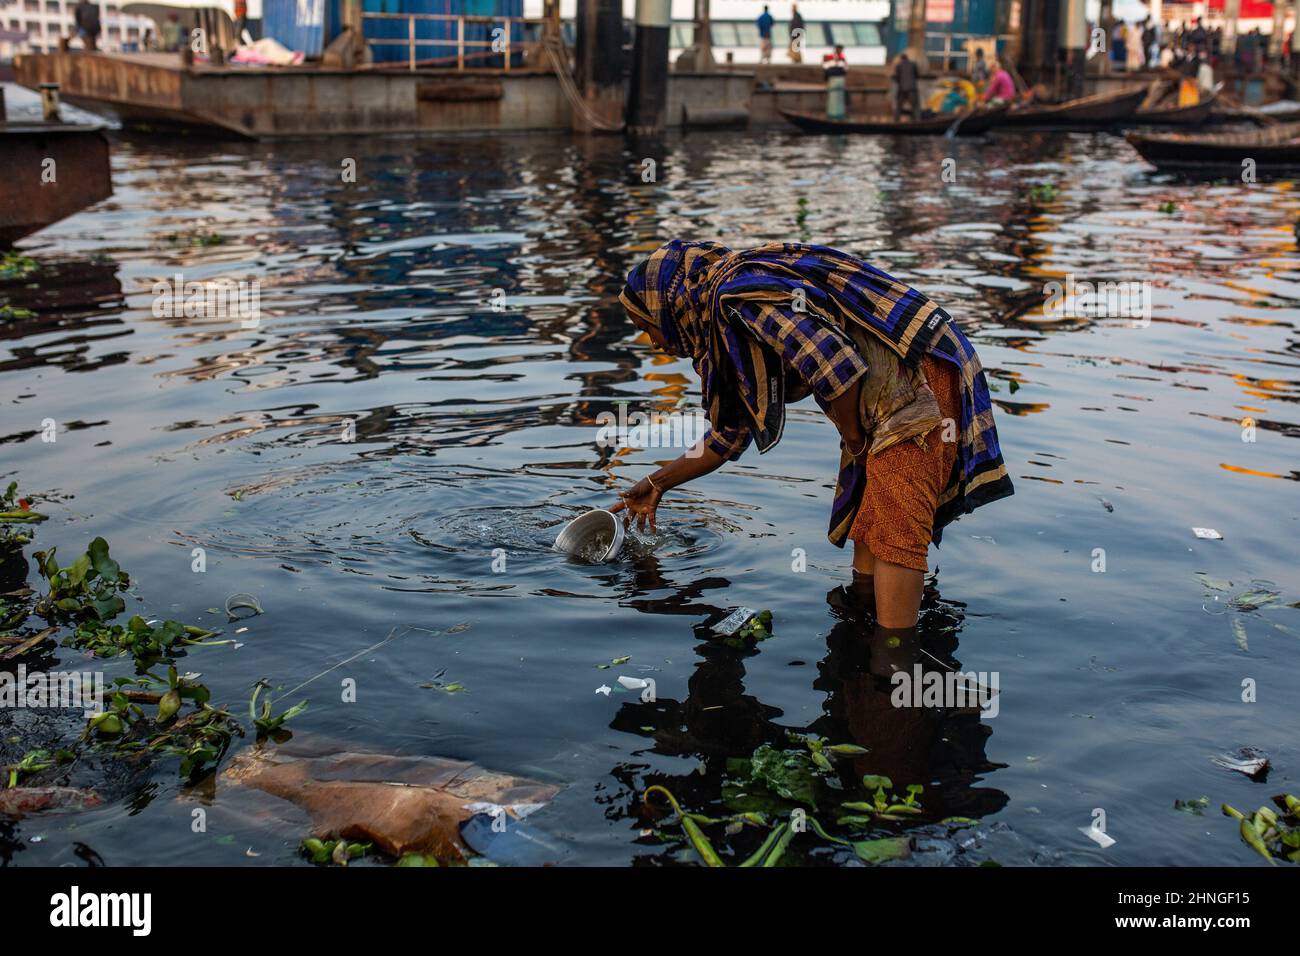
[[1207, 533], [242, 601], [1248, 760], [594, 537]]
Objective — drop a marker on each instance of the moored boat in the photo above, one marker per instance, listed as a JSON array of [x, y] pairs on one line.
[[1098, 110], [1193, 115], [968, 123], [1272, 150]]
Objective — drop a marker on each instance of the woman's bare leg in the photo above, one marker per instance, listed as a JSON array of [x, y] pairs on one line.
[[863, 587], [864, 562], [898, 592]]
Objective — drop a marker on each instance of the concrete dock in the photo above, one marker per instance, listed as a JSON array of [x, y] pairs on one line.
[[157, 90]]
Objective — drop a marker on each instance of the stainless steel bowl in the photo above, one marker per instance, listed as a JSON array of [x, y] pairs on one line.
[[594, 537]]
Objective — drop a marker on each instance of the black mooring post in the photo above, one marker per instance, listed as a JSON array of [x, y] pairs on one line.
[[598, 56], [649, 93]]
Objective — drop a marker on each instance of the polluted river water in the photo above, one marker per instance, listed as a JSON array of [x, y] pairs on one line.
[[385, 458]]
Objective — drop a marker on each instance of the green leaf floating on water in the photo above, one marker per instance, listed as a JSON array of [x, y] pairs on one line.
[[1196, 807], [1250, 600], [883, 850]]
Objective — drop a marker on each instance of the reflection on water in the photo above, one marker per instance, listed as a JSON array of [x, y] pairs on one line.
[[399, 439]]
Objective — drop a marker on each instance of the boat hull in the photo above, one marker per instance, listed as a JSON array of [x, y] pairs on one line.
[[968, 124], [1091, 112], [1179, 116], [1272, 151]]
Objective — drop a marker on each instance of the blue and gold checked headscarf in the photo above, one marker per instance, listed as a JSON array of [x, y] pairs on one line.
[[691, 292]]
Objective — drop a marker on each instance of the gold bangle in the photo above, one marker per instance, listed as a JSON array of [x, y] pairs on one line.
[[854, 454], [653, 485]]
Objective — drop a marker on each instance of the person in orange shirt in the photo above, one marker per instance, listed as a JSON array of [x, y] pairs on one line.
[[241, 15]]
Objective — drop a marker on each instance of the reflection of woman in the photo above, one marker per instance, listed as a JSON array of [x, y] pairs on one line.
[[889, 367]]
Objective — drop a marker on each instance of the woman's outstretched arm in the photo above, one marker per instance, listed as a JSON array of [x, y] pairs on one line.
[[642, 499]]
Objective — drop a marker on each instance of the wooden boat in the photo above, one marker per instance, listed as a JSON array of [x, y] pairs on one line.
[[1274, 149], [1281, 111], [971, 123], [1101, 109], [1193, 115]]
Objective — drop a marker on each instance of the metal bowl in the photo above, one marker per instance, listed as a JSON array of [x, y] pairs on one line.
[[594, 537]]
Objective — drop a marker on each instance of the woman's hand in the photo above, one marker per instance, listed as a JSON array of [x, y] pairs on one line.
[[639, 503]]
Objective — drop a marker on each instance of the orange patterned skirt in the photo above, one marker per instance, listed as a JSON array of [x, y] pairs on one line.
[[905, 481]]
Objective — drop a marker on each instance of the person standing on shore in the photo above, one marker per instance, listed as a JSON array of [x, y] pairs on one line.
[[241, 18], [86, 17], [1135, 55], [836, 69], [797, 34], [765, 22], [1118, 50], [903, 77]]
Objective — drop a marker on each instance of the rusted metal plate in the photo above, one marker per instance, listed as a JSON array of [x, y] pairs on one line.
[[50, 173], [95, 78], [457, 90]]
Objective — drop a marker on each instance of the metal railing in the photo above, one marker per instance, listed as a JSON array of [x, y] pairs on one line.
[[949, 49], [501, 46]]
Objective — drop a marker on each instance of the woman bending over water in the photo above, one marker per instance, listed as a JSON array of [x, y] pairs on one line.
[[904, 387]]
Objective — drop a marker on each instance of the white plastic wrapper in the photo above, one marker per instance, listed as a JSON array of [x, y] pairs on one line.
[[734, 621]]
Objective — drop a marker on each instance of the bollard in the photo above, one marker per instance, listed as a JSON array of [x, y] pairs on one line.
[[50, 102]]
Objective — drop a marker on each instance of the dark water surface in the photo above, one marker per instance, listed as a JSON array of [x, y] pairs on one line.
[[475, 430]]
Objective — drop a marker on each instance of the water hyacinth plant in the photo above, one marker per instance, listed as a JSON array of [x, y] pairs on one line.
[[1269, 833]]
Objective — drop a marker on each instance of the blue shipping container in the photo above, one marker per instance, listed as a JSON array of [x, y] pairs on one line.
[[436, 39], [295, 24]]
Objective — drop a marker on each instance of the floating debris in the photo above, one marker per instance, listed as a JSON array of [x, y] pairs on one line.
[[239, 602], [1207, 533], [1248, 760], [1260, 597], [1194, 807], [399, 804], [17, 801], [744, 627]]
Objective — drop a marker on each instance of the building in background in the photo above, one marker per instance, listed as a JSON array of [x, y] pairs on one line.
[[953, 28], [42, 23]]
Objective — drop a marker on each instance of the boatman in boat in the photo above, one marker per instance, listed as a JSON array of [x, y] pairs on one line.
[[903, 79], [903, 386], [1001, 88]]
